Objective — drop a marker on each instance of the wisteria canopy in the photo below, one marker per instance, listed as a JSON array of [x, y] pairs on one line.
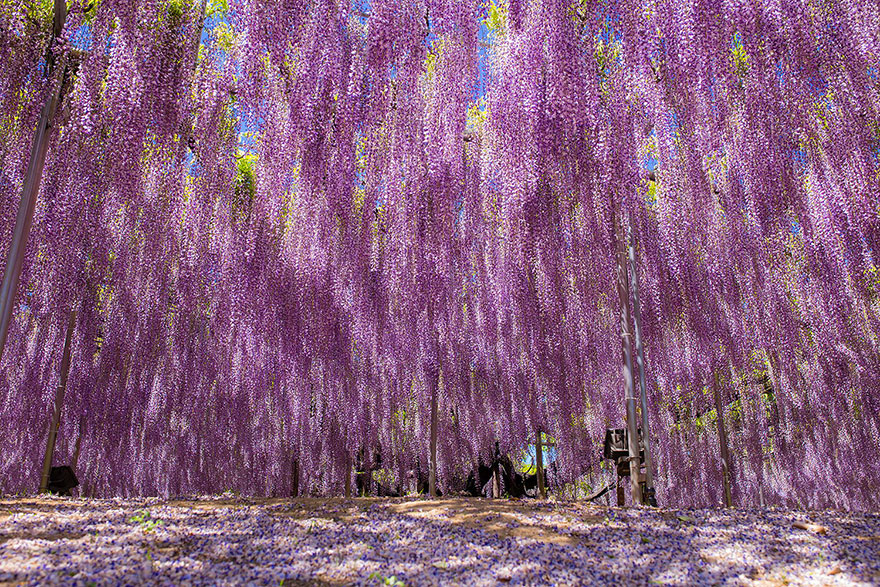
[[286, 226]]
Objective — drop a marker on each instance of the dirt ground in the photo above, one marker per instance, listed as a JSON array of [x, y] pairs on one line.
[[413, 541], [504, 518]]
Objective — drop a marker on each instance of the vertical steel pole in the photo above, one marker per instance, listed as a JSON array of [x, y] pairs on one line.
[[640, 360], [30, 189], [625, 336]]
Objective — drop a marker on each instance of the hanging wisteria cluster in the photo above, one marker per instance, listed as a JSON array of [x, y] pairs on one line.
[[289, 227]]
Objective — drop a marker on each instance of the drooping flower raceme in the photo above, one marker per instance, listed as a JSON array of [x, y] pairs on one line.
[[288, 227]]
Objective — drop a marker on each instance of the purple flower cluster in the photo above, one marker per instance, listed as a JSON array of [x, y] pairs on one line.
[[236, 542], [289, 229]]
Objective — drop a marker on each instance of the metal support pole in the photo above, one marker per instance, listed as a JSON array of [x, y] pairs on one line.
[[59, 403], [649, 496], [625, 338], [30, 189]]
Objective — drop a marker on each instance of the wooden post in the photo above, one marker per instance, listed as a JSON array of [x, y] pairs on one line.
[[625, 335], [539, 466], [294, 478], [31, 188], [59, 402], [648, 498], [722, 440], [432, 469]]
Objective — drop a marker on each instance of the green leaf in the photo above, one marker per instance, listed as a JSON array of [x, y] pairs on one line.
[[497, 19], [217, 8]]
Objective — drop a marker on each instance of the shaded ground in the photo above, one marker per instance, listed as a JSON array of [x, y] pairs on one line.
[[231, 541]]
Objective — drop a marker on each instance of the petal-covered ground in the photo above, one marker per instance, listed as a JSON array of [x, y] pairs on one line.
[[238, 541]]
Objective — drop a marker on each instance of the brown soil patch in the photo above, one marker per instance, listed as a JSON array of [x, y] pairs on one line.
[[41, 536], [507, 519], [504, 518], [213, 504]]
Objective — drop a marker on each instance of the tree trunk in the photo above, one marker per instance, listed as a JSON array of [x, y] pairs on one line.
[[496, 474], [31, 188], [722, 440], [640, 361], [625, 336], [346, 491], [432, 469], [539, 466], [74, 462], [59, 402]]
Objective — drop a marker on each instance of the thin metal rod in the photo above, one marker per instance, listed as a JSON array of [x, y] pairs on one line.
[[31, 188], [640, 361], [626, 345], [59, 403]]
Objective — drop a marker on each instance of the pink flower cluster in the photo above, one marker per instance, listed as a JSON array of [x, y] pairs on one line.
[[287, 227]]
